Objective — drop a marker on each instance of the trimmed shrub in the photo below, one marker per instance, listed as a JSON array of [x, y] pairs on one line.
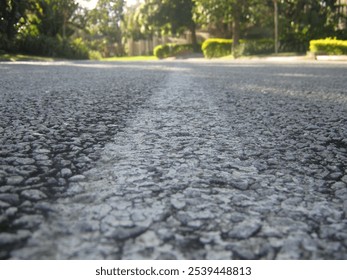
[[162, 51], [170, 50], [216, 47], [329, 46]]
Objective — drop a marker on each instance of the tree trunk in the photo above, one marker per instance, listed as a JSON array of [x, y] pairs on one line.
[[276, 25], [120, 47], [194, 38], [236, 13], [64, 29], [11, 19], [236, 38]]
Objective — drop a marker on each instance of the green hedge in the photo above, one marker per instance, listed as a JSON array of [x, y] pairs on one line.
[[329, 46], [169, 50], [216, 47]]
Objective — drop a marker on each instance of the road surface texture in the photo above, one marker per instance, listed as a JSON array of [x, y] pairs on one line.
[[173, 160]]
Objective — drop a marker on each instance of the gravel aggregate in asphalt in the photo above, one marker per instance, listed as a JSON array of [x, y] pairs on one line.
[[173, 160]]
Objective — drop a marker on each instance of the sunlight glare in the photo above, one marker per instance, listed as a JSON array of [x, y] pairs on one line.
[[92, 3], [87, 4]]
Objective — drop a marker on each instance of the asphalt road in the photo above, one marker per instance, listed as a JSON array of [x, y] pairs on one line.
[[173, 160]]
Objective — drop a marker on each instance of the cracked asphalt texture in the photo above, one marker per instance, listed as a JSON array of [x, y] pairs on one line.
[[173, 160]]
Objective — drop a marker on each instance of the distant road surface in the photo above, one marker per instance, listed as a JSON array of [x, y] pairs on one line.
[[185, 159]]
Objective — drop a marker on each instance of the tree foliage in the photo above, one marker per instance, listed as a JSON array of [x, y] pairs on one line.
[[55, 17], [12, 16], [304, 20], [107, 18], [299, 20], [105, 25], [169, 17], [46, 23]]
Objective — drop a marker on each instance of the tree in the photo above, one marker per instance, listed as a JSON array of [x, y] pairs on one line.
[[56, 17], [298, 21], [170, 17], [106, 21], [236, 11], [227, 12], [12, 16], [132, 25], [304, 20], [216, 16], [276, 24]]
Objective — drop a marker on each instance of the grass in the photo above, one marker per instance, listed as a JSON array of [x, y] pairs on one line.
[[130, 58], [22, 57]]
